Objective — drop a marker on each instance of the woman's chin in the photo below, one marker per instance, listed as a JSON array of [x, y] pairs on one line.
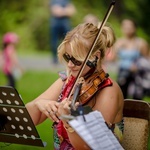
[[74, 73]]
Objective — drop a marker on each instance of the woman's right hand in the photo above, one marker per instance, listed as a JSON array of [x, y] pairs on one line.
[[49, 108]]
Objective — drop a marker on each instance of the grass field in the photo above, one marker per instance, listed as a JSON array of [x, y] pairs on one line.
[[30, 86]]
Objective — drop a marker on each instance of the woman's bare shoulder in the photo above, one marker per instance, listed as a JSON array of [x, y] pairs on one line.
[[111, 92], [109, 102]]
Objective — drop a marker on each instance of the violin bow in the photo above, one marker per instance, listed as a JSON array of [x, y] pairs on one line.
[[90, 51]]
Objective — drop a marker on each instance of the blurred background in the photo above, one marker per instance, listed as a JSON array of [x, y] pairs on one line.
[[30, 19]]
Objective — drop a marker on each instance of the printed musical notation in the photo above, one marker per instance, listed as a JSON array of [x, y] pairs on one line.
[[94, 131]]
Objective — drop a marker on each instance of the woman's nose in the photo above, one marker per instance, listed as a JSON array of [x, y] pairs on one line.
[[70, 64]]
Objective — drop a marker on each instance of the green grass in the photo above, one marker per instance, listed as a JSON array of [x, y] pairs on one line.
[[29, 87]]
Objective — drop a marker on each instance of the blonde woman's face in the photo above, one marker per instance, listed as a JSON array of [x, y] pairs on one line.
[[73, 68]]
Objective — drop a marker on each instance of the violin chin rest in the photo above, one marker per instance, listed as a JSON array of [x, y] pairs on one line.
[[81, 110]]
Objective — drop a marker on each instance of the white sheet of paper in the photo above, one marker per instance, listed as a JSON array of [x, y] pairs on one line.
[[95, 132]]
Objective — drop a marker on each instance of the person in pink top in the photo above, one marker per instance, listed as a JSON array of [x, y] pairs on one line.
[[10, 60]]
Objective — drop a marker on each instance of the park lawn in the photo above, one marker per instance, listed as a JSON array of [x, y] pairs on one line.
[[29, 87]]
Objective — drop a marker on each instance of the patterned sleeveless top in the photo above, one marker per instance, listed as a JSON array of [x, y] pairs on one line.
[[61, 139]]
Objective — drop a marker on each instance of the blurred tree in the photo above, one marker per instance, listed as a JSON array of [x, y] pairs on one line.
[[140, 12], [30, 18]]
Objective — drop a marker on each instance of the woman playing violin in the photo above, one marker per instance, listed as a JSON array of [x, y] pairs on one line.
[[107, 99]]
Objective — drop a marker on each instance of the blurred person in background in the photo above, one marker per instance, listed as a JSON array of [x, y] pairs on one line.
[[91, 18], [61, 12], [9, 59], [130, 49]]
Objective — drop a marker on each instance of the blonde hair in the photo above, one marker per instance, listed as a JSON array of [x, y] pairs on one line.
[[81, 38], [90, 18]]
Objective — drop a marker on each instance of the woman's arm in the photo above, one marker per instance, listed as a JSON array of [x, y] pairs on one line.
[[113, 52], [47, 101], [59, 11], [144, 48]]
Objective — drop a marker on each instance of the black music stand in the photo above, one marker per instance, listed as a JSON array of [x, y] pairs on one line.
[[16, 125]]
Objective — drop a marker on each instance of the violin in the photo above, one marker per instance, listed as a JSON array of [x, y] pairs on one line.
[[87, 87], [91, 85]]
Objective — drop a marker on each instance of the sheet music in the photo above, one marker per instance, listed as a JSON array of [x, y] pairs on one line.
[[95, 132]]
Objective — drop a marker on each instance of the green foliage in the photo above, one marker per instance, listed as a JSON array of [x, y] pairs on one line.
[[139, 11], [30, 18], [26, 18]]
